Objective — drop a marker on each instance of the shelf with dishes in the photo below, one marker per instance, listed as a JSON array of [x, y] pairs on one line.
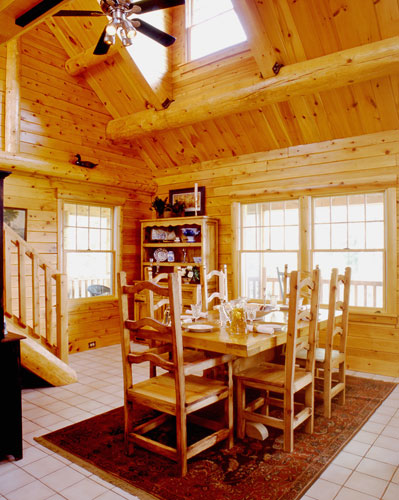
[[179, 242], [171, 245]]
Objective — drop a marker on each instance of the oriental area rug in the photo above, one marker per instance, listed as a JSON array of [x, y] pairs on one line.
[[251, 470]]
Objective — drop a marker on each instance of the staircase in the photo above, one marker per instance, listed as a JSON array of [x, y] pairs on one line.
[[35, 305]]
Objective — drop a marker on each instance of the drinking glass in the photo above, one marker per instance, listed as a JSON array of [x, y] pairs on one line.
[[250, 311], [196, 311]]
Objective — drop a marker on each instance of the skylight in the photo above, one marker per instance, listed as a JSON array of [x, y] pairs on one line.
[[212, 26]]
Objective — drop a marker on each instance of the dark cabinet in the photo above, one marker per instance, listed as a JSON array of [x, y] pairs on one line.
[[10, 396]]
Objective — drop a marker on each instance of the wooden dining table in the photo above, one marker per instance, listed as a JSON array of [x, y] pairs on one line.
[[245, 345]]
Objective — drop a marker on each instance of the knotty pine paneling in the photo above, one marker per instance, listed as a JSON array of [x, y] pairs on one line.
[[283, 173], [61, 115], [89, 319]]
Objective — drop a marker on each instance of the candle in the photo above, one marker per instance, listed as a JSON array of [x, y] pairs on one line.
[[196, 197]]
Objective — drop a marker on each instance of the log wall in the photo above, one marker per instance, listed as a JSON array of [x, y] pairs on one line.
[[62, 116], [349, 164]]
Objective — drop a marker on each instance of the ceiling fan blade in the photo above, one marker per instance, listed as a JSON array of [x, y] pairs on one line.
[[150, 5], [35, 12], [79, 13], [154, 33], [101, 48]]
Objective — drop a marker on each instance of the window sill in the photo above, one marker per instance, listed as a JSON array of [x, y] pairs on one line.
[[213, 58]]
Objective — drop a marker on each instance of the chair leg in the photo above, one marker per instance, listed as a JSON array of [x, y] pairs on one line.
[[341, 380], [327, 391], [309, 403], [128, 411], [229, 407], [240, 409], [181, 443], [289, 423]]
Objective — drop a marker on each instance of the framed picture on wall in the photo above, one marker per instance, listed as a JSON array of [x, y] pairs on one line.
[[187, 195], [16, 218]]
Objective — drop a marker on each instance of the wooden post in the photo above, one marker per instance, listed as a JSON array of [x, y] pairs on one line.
[[12, 98]]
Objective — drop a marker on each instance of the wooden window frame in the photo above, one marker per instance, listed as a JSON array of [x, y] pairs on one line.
[[115, 239], [305, 246]]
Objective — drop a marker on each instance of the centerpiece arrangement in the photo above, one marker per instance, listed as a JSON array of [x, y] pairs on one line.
[[191, 274]]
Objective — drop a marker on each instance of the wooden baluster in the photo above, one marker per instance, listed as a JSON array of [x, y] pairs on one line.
[[48, 304], [35, 295], [21, 282], [7, 292], [61, 312]]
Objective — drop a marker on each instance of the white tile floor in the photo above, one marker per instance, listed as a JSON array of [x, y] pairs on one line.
[[367, 469]]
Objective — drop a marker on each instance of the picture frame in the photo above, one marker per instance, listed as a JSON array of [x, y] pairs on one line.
[[187, 195], [17, 219]]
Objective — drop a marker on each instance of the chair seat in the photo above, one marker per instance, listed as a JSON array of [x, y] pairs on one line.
[[161, 391], [274, 375], [320, 354]]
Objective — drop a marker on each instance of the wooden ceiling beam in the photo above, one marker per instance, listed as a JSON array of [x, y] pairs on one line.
[[26, 164], [11, 9], [324, 73], [261, 47], [81, 62]]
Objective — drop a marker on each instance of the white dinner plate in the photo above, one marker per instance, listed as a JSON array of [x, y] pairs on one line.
[[193, 327]]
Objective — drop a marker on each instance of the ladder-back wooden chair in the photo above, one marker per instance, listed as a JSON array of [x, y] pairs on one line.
[[278, 384], [331, 359], [221, 291], [178, 392], [283, 277]]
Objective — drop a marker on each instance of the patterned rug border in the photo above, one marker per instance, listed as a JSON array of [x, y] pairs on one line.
[[144, 495]]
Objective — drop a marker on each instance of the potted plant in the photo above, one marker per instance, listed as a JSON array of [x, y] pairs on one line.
[[159, 205], [177, 208]]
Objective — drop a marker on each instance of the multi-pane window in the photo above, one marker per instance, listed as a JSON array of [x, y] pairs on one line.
[[346, 230], [350, 231], [88, 249], [269, 239], [211, 26]]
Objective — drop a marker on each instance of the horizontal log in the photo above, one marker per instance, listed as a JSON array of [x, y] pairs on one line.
[[40, 166], [85, 60], [324, 73]]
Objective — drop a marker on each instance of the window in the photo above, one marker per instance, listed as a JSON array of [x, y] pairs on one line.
[[88, 249], [346, 230], [211, 26], [349, 231], [269, 239]]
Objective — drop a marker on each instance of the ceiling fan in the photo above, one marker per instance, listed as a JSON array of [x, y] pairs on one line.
[[118, 13]]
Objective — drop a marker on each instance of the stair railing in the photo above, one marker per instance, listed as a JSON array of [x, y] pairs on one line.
[[35, 295]]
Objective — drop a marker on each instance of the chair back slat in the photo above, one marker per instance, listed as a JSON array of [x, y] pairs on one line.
[[148, 329], [298, 319], [221, 292]]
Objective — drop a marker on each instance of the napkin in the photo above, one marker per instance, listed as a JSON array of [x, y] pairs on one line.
[[264, 329]]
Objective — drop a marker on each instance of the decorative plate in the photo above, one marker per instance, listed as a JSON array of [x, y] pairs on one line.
[[161, 254], [193, 327]]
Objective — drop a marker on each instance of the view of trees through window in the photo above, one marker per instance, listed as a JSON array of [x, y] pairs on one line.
[[346, 230], [88, 249]]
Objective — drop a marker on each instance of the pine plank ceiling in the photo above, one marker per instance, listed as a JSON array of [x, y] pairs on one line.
[[339, 79]]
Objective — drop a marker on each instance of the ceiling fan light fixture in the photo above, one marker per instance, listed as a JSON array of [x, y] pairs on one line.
[[109, 39], [111, 29]]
